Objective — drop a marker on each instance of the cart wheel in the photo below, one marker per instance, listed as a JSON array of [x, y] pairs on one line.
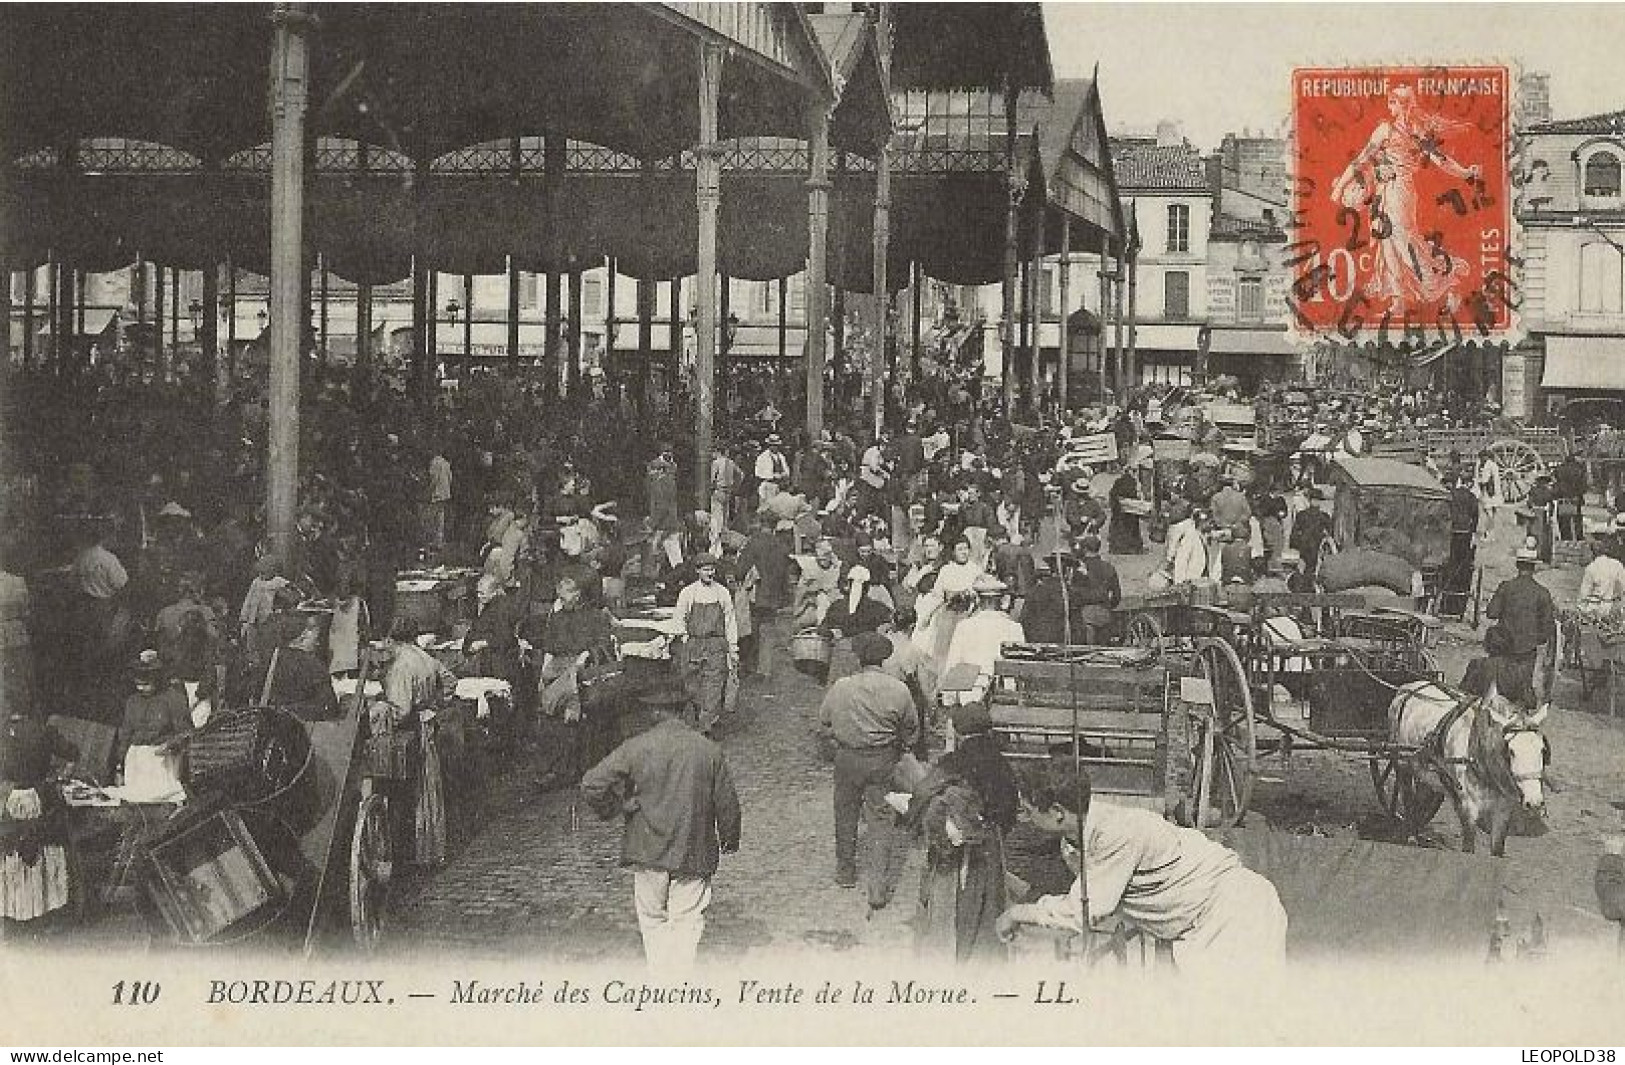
[[1520, 464], [1385, 779], [1223, 742], [371, 868], [1144, 630], [1401, 799]]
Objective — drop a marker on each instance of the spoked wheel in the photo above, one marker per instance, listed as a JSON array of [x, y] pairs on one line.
[[1223, 742], [372, 866], [1401, 799], [1144, 630], [1520, 464]]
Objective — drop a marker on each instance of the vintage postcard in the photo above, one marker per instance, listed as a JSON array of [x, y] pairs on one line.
[[980, 524]]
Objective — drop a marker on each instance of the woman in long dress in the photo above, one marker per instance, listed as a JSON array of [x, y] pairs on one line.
[[951, 598], [1409, 271]]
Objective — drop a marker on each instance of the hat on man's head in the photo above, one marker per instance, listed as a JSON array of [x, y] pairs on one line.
[[774, 438], [871, 648], [784, 525], [1529, 553], [704, 559], [971, 718], [1291, 557], [148, 664], [987, 584]]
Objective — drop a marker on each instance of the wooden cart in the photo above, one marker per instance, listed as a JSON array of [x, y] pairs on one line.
[[1305, 672], [1109, 708]]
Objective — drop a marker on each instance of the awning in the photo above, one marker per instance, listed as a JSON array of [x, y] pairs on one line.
[[97, 319], [1162, 336], [1596, 362], [1273, 342], [489, 338]]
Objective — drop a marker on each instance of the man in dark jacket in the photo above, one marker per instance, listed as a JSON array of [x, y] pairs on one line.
[[1570, 487], [1309, 528], [767, 555], [1525, 610], [671, 787]]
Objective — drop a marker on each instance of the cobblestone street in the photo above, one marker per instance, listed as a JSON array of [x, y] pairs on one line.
[[540, 877], [536, 877]]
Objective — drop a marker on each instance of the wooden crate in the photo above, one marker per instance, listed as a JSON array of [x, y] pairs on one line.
[[1571, 553], [1122, 720], [208, 878]]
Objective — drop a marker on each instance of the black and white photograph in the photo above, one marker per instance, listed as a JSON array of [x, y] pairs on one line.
[[733, 523]]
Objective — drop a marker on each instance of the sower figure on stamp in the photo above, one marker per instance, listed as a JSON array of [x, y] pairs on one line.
[[671, 787]]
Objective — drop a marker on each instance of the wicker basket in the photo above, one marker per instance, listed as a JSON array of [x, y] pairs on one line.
[[812, 647]]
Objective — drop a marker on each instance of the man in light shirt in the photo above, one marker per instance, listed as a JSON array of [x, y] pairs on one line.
[[97, 572], [1171, 883], [1602, 585], [772, 468], [979, 639]]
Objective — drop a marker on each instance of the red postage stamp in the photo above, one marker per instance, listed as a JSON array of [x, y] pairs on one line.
[[1401, 201]]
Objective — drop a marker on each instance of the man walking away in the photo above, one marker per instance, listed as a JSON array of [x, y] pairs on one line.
[[871, 718], [1524, 608], [671, 787]]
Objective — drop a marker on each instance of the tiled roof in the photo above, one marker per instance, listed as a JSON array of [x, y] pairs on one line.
[[1054, 118], [1607, 122], [1144, 168], [1229, 227]]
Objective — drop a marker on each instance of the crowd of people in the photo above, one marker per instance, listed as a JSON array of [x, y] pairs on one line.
[[896, 565]]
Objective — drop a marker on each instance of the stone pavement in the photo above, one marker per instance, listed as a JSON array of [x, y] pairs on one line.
[[539, 876]]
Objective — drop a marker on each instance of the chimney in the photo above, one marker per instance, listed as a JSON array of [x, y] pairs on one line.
[[1168, 134], [1534, 104]]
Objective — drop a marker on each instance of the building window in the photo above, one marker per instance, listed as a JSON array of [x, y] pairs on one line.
[[1602, 174], [1250, 299], [592, 296], [1179, 227], [1176, 289], [527, 289], [1600, 281]]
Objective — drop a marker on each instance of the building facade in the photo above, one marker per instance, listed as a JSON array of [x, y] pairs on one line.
[[1166, 185], [1570, 207]]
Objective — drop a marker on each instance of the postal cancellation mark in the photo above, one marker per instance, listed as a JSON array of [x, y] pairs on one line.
[[1400, 212]]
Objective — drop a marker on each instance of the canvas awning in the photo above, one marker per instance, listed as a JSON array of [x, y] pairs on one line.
[[1162, 336], [1266, 342], [1592, 362], [97, 319]]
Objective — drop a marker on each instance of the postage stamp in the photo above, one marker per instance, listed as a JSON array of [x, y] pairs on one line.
[[1401, 201]]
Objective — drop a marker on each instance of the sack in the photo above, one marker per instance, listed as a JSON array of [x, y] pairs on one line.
[[248, 756]]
